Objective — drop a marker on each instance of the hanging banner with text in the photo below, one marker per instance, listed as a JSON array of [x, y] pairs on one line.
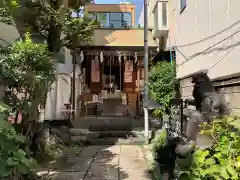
[[128, 71], [128, 77], [129, 65], [95, 71]]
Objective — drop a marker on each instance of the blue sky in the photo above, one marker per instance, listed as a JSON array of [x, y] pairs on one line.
[[138, 3]]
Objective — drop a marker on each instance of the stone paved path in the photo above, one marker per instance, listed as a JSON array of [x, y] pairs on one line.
[[118, 162]]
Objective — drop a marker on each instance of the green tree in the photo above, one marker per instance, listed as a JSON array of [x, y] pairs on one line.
[[59, 28], [57, 25], [52, 21], [163, 82], [6, 6], [29, 71]]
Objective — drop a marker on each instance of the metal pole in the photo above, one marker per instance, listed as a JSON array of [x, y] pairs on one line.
[[73, 83], [146, 120], [74, 60], [80, 85]]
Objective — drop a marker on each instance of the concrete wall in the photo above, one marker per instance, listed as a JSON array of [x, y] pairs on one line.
[[201, 25], [232, 94], [229, 88]]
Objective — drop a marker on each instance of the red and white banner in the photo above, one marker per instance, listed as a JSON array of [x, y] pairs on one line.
[[95, 70]]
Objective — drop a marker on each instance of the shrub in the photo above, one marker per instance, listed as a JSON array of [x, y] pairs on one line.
[[222, 160], [158, 143], [28, 70], [14, 162], [162, 84]]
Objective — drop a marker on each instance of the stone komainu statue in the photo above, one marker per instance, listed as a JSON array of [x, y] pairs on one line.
[[208, 102]]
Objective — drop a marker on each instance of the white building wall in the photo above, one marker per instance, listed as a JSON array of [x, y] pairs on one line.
[[201, 25], [61, 89]]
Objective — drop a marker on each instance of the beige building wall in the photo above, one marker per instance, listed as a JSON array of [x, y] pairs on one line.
[[204, 38]]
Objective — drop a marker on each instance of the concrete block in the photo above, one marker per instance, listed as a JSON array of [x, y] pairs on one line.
[[78, 131], [78, 139], [235, 100]]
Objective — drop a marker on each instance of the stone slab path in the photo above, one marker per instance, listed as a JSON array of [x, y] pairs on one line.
[[118, 162]]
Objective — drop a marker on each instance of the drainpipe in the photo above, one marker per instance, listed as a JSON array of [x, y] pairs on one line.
[[146, 120], [171, 56], [170, 49]]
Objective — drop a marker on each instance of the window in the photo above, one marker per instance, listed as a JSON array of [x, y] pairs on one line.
[[93, 16], [115, 16], [126, 24], [116, 24], [103, 18], [156, 24], [160, 14], [127, 19], [113, 20], [183, 5], [164, 14]]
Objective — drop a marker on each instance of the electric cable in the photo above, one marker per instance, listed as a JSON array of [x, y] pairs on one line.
[[222, 57], [214, 35], [199, 53]]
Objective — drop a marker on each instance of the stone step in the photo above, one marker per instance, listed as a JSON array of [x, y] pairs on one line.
[[108, 141], [117, 141], [106, 134], [108, 123], [82, 136]]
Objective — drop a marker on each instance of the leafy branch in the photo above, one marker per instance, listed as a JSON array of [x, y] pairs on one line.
[[57, 25], [222, 160], [6, 7], [162, 84]]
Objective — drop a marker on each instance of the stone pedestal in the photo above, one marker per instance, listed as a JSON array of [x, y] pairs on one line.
[[112, 107], [132, 103]]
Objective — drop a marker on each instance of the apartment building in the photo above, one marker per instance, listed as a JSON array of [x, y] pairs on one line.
[[206, 36]]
